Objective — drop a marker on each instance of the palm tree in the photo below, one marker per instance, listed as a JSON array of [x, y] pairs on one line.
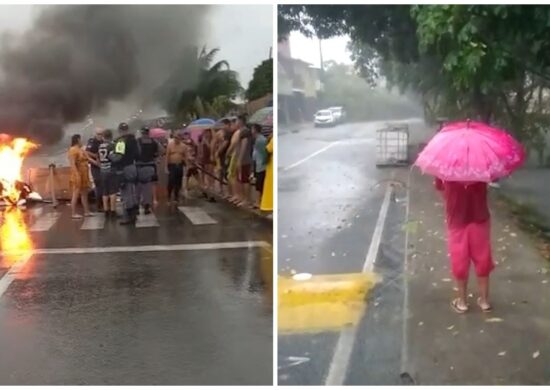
[[197, 83]]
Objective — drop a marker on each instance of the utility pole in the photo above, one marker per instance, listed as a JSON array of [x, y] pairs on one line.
[[321, 55]]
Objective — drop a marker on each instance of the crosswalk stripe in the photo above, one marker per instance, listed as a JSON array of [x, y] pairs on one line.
[[149, 220], [197, 216], [45, 222], [95, 222]]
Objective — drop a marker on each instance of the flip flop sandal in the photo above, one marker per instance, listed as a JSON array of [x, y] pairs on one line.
[[485, 309], [456, 308]]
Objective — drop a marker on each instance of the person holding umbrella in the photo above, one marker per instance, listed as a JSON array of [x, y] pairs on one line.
[[464, 157]]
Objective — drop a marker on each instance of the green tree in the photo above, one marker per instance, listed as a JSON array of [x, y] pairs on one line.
[[198, 82], [479, 61], [262, 81]]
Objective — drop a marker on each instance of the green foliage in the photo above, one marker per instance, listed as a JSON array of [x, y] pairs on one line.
[[488, 62], [192, 89], [262, 81]]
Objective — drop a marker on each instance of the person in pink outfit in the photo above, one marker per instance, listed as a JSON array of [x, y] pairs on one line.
[[469, 238]]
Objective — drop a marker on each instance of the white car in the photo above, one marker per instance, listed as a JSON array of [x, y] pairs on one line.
[[324, 118], [338, 113]]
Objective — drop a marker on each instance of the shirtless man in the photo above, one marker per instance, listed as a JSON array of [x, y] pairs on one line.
[[233, 152], [220, 144], [175, 159]]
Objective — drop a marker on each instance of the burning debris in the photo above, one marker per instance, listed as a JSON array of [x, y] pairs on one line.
[[12, 153]]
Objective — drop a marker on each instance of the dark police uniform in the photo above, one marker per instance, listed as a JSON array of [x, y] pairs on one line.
[[146, 169], [124, 157]]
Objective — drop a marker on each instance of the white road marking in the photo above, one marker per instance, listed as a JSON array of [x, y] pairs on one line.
[[149, 220], [151, 248], [10, 276], [340, 360], [95, 222], [310, 156], [45, 222], [197, 216]]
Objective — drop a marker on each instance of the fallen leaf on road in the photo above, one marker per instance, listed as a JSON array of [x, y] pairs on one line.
[[500, 239], [536, 354], [450, 327], [333, 254], [513, 235], [502, 353], [446, 280], [544, 281], [434, 284], [431, 269], [494, 319], [481, 331], [452, 368], [420, 323]]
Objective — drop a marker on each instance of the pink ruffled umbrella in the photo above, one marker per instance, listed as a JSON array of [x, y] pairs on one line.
[[471, 152]]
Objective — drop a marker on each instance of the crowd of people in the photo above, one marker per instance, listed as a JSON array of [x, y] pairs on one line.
[[233, 160]]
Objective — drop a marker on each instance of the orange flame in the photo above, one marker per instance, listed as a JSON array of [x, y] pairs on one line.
[[14, 238], [15, 241], [12, 154]]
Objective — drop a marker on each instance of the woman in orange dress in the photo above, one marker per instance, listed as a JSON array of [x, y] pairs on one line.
[[80, 176]]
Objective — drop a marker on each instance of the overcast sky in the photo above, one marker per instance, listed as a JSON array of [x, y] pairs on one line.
[[307, 49], [244, 33]]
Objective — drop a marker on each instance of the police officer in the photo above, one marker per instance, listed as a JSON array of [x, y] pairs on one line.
[[124, 158], [92, 148], [146, 168]]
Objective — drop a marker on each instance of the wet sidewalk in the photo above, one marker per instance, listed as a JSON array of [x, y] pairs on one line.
[[509, 346]]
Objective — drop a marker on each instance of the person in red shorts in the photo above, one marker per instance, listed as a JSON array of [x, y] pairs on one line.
[[469, 238]]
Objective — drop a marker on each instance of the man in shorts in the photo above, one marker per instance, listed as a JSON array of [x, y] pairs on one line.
[[223, 138], [260, 157], [244, 164], [233, 153], [190, 161], [108, 177], [176, 153]]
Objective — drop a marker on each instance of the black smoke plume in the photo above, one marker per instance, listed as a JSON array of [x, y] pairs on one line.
[[76, 59]]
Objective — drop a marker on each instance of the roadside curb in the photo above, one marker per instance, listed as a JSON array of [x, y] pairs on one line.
[[268, 218], [295, 128]]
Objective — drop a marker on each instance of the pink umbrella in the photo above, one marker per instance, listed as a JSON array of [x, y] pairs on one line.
[[471, 151], [158, 133]]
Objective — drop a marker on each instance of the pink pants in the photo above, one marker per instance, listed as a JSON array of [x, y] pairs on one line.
[[470, 243]]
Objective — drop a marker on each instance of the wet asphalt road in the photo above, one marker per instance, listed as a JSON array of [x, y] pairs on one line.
[[174, 316], [330, 195]]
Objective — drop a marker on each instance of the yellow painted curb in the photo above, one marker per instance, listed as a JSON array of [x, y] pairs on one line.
[[323, 302]]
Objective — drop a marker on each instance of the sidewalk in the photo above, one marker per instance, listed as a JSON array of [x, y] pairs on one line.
[[530, 188], [509, 346]]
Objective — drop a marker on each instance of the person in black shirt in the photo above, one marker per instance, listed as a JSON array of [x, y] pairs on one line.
[[125, 156], [92, 148], [108, 176], [146, 169]]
